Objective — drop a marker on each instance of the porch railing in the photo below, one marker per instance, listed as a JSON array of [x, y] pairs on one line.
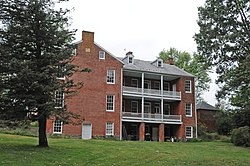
[[154, 92], [151, 117]]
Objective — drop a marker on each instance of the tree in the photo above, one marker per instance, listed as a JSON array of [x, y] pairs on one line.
[[194, 64], [224, 39], [35, 44]]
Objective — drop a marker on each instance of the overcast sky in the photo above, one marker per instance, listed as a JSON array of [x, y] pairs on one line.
[[144, 27]]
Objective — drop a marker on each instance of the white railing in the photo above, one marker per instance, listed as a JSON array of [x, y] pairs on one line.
[[151, 117], [154, 92]]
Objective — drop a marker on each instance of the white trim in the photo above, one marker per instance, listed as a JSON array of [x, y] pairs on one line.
[[136, 106], [54, 127], [113, 103], [102, 55], [191, 132], [191, 111], [149, 84], [157, 105], [112, 129], [59, 99], [190, 84], [108, 76], [121, 103]]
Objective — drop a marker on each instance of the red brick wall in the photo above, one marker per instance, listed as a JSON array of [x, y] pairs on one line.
[[207, 117], [90, 100], [180, 107]]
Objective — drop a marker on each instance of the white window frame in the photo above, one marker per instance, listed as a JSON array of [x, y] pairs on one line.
[[133, 79], [149, 84], [136, 102], [188, 115], [60, 71], [130, 58], [58, 126], [147, 104], [167, 108], [110, 74], [74, 52], [158, 82], [58, 100], [157, 107], [111, 102], [159, 63], [101, 54], [191, 132], [166, 86], [109, 129], [188, 82]]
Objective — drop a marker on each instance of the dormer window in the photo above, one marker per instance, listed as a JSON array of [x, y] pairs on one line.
[[159, 63], [130, 60], [130, 57]]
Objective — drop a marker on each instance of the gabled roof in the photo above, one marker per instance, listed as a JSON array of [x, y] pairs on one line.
[[205, 106], [147, 66]]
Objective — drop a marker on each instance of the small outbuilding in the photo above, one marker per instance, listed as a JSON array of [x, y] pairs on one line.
[[206, 115]]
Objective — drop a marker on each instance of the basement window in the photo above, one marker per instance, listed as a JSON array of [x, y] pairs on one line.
[[57, 127]]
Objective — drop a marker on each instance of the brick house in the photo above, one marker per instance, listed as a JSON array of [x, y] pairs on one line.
[[206, 115], [128, 98]]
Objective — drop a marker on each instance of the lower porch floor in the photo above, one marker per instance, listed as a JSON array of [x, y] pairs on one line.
[[150, 131]]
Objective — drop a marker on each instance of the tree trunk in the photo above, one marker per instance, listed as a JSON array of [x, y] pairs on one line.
[[42, 120]]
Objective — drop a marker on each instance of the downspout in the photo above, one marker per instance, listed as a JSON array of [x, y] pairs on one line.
[[196, 125], [121, 104]]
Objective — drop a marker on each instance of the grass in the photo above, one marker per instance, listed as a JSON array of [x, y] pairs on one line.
[[22, 150]]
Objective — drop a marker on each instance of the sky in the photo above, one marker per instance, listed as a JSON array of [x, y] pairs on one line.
[[144, 27]]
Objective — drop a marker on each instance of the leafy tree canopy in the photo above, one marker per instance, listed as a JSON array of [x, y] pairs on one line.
[[224, 39], [35, 45], [194, 64]]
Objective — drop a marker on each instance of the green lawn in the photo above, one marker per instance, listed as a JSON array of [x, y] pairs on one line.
[[22, 150]]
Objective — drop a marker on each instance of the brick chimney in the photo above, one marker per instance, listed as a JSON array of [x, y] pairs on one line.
[[170, 61], [88, 41]]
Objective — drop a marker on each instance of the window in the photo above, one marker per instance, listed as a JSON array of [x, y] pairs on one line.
[[59, 98], [188, 110], [159, 63], [147, 107], [147, 84], [157, 85], [166, 86], [157, 108], [101, 55], [134, 106], [57, 127], [111, 76], [74, 52], [188, 86], [130, 60], [166, 109], [109, 128], [134, 83], [110, 102], [189, 132], [61, 72]]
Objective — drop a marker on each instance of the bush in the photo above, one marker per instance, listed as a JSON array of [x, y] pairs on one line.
[[241, 136]]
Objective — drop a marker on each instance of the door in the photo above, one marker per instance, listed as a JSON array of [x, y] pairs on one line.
[[86, 131], [155, 133]]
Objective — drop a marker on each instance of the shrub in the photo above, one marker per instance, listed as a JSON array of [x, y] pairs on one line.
[[241, 136]]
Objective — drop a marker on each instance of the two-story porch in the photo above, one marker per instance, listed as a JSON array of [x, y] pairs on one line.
[[149, 108]]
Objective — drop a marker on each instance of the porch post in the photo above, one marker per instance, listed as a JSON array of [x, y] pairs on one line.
[[161, 132], [142, 101], [162, 107], [142, 131], [162, 85]]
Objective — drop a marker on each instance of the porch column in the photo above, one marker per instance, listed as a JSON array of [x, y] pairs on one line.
[[161, 84], [142, 131], [162, 107], [142, 107], [161, 132], [142, 82]]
